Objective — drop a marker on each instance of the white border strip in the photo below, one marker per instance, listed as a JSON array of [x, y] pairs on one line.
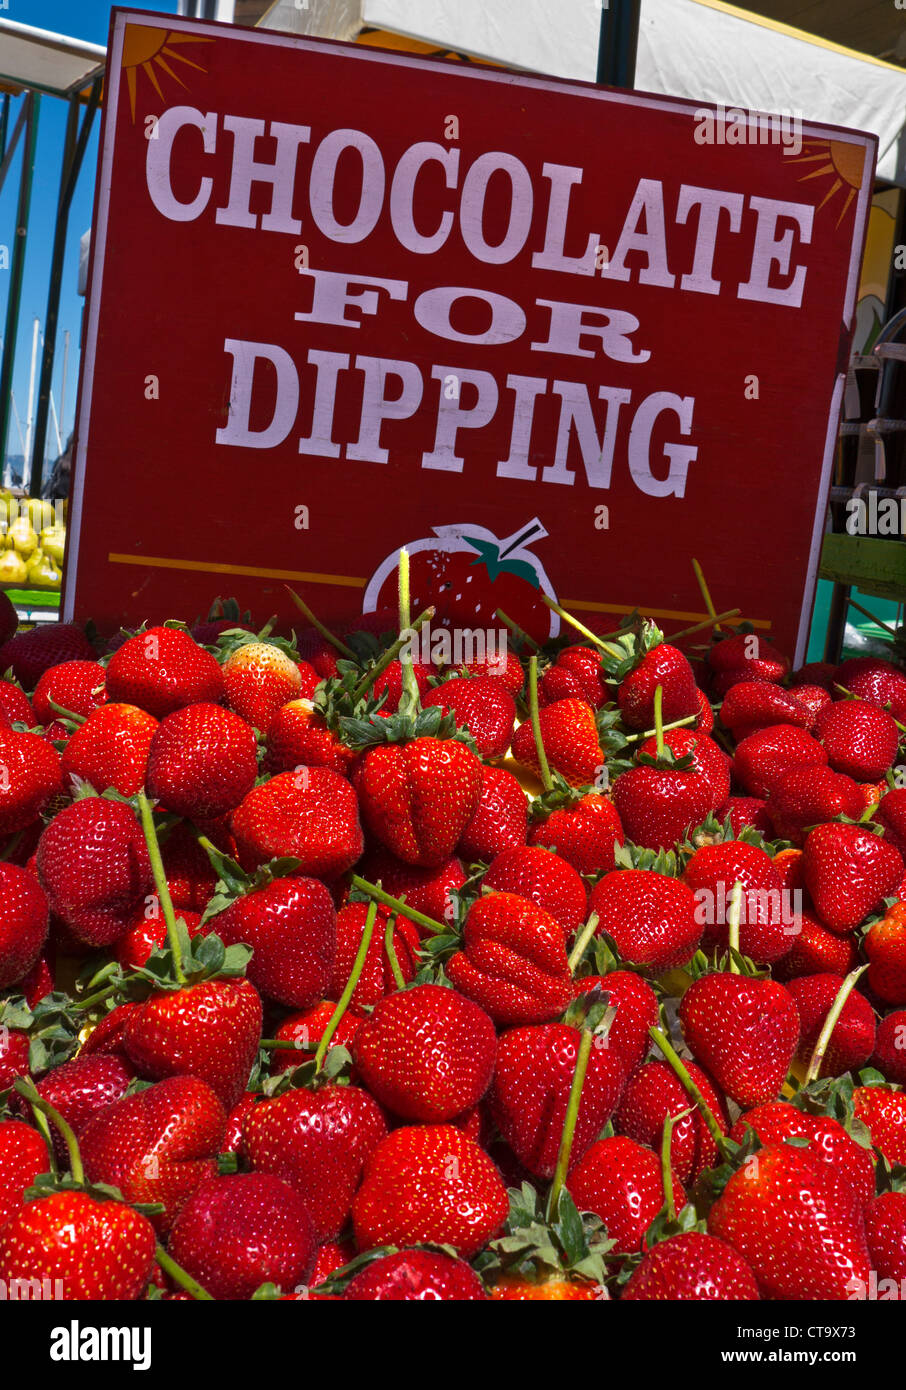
[[363, 53]]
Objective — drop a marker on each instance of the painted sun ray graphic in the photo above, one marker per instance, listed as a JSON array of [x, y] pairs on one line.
[[147, 50], [838, 160]]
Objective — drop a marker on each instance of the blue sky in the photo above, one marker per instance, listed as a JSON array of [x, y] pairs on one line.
[[82, 19]]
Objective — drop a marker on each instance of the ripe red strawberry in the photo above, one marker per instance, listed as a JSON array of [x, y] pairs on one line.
[[891, 813], [425, 889], [885, 1232], [744, 1031], [483, 706], [190, 875], [620, 1181], [97, 1248], [885, 946], [747, 656], [80, 1088], [853, 1039], [500, 820], [291, 925], [650, 917], [542, 878], [571, 743], [259, 678], [663, 666], [161, 670], [807, 796], [29, 777], [860, 740], [531, 1087], [390, 684], [310, 815], [94, 867], [514, 961], [890, 1047], [762, 759], [40, 980], [576, 674], [636, 1011], [209, 1030], [745, 811], [148, 933], [30, 654], [111, 749], [108, 1033], [417, 798], [297, 736], [767, 928], [156, 1145], [429, 1184], [13, 1055], [23, 1155], [796, 1223], [24, 917], [512, 1288], [848, 871], [708, 758], [202, 762], [426, 1053], [752, 705], [883, 1111], [319, 1142], [658, 805], [15, 706], [305, 1030], [879, 682], [692, 1267], [503, 666], [816, 951], [237, 1232], [814, 697], [828, 1141], [377, 977], [416, 1275], [821, 674], [585, 833], [78, 686], [654, 1092]]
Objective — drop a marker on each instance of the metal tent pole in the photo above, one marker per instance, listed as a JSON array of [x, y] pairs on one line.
[[618, 43], [73, 154], [32, 109]]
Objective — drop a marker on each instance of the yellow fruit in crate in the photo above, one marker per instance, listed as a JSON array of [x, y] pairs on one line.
[[44, 573], [12, 568], [53, 542], [23, 537], [39, 512]]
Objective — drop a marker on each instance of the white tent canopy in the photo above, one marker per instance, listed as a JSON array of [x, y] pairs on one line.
[[699, 49], [40, 61]]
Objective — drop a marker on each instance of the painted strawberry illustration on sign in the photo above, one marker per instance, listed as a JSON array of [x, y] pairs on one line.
[[468, 572]]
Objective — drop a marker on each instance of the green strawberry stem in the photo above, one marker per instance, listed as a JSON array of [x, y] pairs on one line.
[[586, 632], [280, 1045], [410, 701], [546, 779], [380, 666], [316, 623], [582, 941], [650, 733], [670, 1121], [38, 1103], [569, 1122], [517, 631], [97, 998], [659, 719], [682, 1074], [734, 913], [343, 1003], [398, 905], [180, 1276], [160, 883], [830, 1024], [710, 621], [706, 593], [391, 954], [77, 719], [41, 1123]]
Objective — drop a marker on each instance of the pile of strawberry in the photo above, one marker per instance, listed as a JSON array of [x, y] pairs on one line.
[[328, 974]]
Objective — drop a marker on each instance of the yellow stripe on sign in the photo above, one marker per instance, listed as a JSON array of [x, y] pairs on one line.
[[161, 562], [586, 606]]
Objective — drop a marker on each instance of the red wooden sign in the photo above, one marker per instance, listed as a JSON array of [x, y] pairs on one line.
[[554, 338]]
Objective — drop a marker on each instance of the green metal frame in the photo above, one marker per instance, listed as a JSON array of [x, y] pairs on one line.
[[618, 42], [17, 264], [74, 148]]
